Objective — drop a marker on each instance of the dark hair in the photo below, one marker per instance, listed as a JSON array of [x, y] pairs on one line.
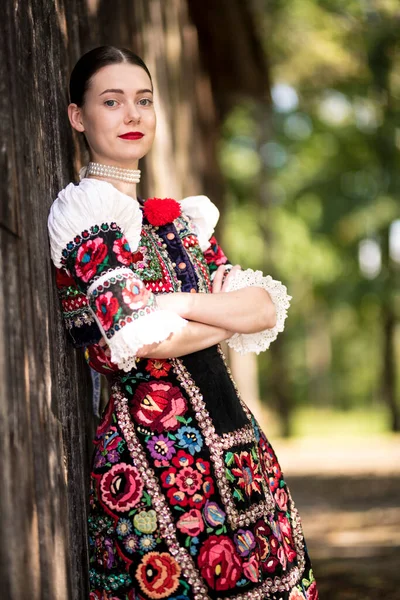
[[93, 61]]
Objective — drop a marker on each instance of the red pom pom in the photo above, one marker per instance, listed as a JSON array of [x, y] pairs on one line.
[[160, 211]]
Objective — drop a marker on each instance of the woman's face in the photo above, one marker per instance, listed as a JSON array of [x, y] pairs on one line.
[[119, 101]]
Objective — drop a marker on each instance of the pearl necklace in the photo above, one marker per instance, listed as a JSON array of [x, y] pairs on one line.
[[94, 168]]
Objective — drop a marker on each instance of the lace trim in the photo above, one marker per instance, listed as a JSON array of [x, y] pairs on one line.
[[151, 328], [258, 342]]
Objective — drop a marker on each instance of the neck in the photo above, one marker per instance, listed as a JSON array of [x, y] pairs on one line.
[[122, 178]]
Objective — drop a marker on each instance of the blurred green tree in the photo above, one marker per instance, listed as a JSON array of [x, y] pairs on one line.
[[313, 188]]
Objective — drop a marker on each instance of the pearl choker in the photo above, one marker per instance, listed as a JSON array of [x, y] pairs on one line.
[[94, 168]]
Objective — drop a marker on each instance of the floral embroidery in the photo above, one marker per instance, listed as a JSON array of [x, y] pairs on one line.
[[213, 514], [219, 563], [122, 250], [121, 487], [190, 439], [107, 307], [247, 472], [124, 527], [191, 523], [161, 447], [135, 294], [146, 521], [158, 574], [281, 499], [91, 254], [158, 368], [131, 543], [188, 481], [157, 405], [245, 542], [287, 537]]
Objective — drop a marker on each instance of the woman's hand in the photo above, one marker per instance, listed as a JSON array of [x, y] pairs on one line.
[[220, 281]]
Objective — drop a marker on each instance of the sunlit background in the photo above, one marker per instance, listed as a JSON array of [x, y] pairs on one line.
[[313, 197]]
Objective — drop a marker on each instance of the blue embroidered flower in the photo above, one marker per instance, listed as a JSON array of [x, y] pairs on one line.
[[124, 527], [131, 543], [147, 542], [190, 438]]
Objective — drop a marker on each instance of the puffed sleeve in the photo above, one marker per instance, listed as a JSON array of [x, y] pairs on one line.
[[204, 216], [93, 230]]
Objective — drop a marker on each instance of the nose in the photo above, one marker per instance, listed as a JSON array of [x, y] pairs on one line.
[[132, 114]]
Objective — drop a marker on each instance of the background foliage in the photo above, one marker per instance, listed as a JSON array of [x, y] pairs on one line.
[[313, 198]]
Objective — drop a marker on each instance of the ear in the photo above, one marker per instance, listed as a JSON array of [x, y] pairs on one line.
[[75, 117]]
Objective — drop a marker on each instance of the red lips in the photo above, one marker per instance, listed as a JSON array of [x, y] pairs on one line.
[[132, 135]]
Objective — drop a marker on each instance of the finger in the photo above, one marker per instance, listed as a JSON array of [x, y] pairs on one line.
[[217, 282], [231, 273]]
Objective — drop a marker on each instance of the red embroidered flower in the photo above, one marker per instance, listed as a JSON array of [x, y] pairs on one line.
[[89, 256], [251, 568], [122, 251], [281, 499], [156, 405], [261, 532], [135, 294], [158, 574], [187, 481], [219, 563], [191, 523], [106, 307], [248, 473], [287, 537], [160, 211], [158, 368], [312, 592], [214, 253], [121, 487]]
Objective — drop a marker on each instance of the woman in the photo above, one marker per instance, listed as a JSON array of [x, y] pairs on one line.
[[187, 497]]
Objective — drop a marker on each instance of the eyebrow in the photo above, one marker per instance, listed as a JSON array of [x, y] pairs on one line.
[[117, 91]]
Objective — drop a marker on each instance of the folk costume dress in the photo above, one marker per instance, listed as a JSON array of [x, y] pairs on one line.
[[187, 501]]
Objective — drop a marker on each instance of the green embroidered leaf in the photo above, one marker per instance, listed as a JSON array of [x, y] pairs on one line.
[[187, 541], [229, 475], [180, 419], [229, 458], [238, 494], [209, 529], [147, 498], [129, 389]]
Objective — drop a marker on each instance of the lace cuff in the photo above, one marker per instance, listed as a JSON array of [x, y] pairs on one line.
[[151, 328], [260, 341], [128, 316]]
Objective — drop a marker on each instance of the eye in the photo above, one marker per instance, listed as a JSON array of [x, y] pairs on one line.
[[145, 102], [111, 105]]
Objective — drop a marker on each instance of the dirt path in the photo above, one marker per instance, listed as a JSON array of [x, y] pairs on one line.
[[348, 495]]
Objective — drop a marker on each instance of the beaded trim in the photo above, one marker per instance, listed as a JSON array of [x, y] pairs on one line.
[[216, 446], [111, 276]]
